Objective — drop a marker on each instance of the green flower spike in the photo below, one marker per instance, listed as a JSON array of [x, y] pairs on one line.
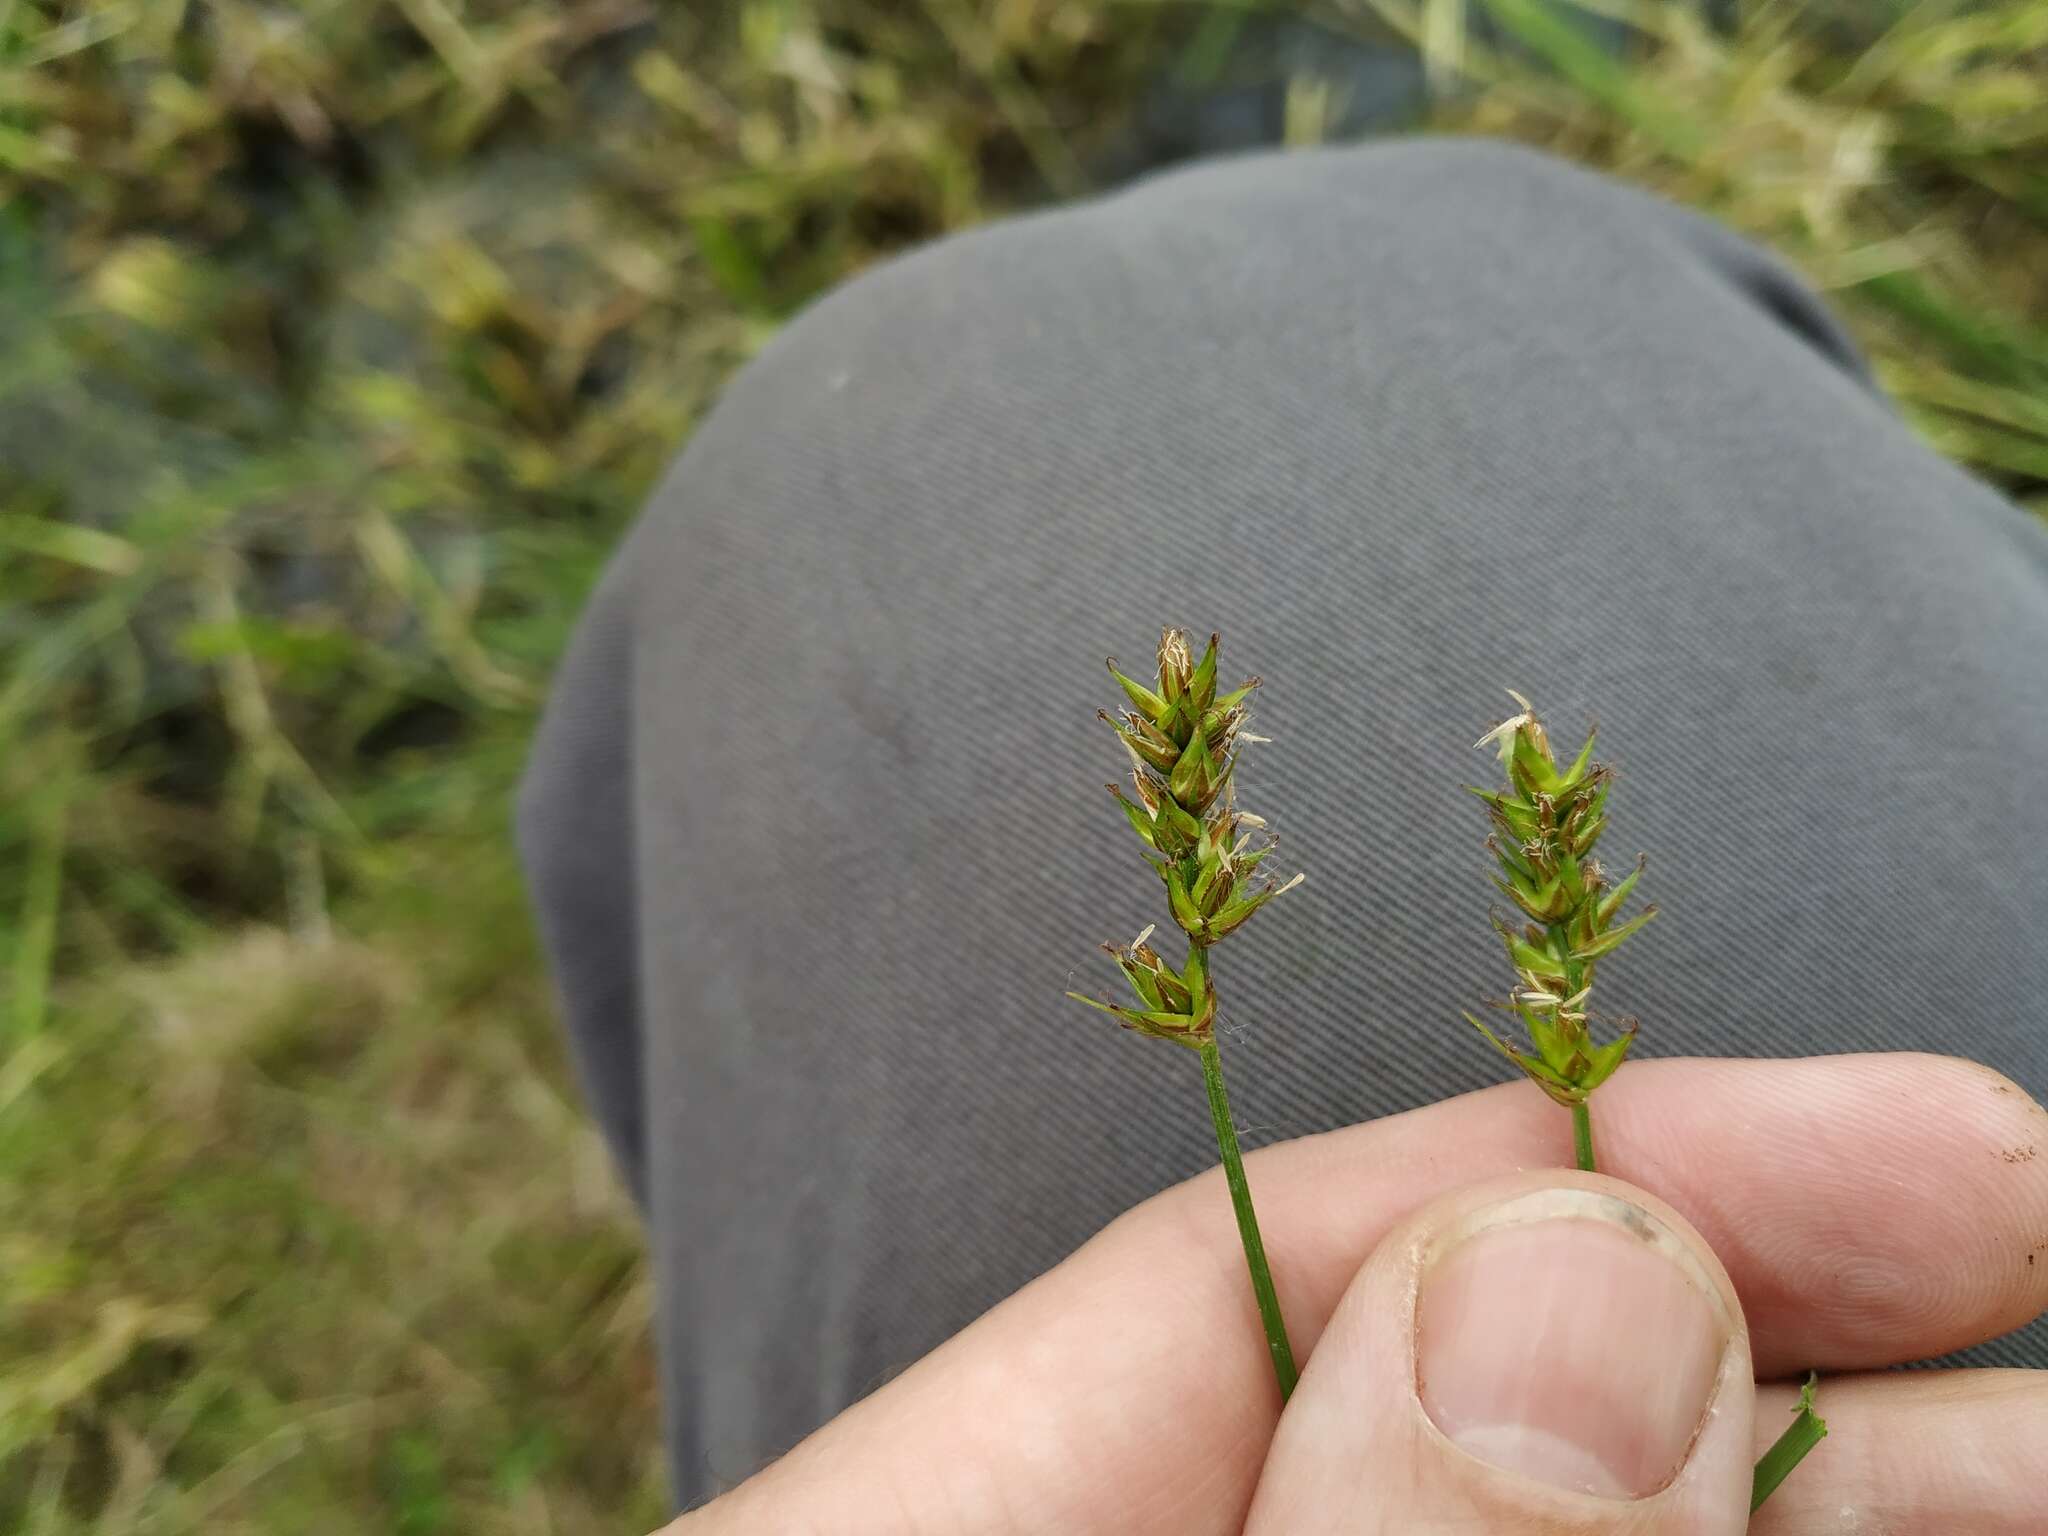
[[1182, 739], [1545, 825]]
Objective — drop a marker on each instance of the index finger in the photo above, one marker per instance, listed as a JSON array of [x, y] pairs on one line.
[[1870, 1209]]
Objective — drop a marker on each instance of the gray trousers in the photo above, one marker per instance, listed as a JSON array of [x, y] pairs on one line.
[[815, 822]]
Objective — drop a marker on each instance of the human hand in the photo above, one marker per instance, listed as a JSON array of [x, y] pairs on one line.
[[1868, 1210]]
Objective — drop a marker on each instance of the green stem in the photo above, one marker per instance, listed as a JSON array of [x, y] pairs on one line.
[[1582, 1134], [1807, 1431], [1247, 1221]]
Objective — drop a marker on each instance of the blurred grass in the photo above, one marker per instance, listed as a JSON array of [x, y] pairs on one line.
[[338, 340]]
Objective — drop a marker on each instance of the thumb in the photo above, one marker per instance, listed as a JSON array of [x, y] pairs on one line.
[[1546, 1354]]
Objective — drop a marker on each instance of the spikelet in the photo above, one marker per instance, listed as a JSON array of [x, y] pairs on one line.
[[1182, 739], [1546, 824]]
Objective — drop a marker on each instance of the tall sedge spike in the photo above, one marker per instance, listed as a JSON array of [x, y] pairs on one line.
[[1182, 741], [1545, 823]]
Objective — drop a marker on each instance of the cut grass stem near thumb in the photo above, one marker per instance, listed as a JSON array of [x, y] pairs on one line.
[[1807, 1431]]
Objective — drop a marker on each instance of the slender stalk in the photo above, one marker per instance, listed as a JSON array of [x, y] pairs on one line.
[[1247, 1221], [1582, 1134], [1808, 1430]]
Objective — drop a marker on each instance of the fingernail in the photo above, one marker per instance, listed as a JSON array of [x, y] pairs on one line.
[[1570, 1336]]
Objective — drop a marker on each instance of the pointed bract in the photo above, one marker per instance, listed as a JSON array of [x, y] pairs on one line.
[[1148, 703], [1202, 685]]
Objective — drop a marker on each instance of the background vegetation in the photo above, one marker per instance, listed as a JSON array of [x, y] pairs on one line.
[[338, 340]]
